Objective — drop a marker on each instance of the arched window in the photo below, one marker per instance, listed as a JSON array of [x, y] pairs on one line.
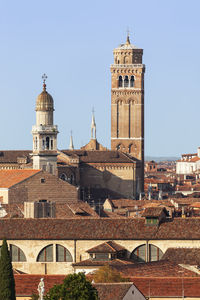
[[16, 254], [43, 144], [62, 254], [72, 178], [132, 81], [63, 176], [140, 254], [126, 81], [120, 81], [51, 168], [47, 143], [46, 254], [126, 59], [118, 147], [51, 144], [154, 253], [36, 142]]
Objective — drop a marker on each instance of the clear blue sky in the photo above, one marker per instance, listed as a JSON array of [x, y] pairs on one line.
[[72, 42]]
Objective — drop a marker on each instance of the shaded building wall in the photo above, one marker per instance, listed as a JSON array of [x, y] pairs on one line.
[[120, 178]]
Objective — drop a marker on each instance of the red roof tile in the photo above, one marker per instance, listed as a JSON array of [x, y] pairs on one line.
[[9, 178], [162, 268], [107, 247], [168, 287], [96, 263], [190, 256], [97, 156], [100, 229]]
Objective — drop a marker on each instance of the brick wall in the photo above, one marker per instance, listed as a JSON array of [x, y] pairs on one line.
[[51, 189]]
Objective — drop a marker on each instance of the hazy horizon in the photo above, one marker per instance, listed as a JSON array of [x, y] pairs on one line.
[[72, 42]]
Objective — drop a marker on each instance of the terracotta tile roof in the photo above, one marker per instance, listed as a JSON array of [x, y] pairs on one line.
[[162, 268], [195, 204], [10, 156], [189, 154], [168, 287], [123, 203], [9, 178], [110, 214], [153, 211], [75, 210], [120, 203], [95, 263], [99, 229], [26, 284], [107, 247], [14, 210], [187, 200], [110, 291], [190, 256], [97, 156]]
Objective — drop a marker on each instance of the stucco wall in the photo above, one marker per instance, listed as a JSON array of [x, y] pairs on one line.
[[32, 248]]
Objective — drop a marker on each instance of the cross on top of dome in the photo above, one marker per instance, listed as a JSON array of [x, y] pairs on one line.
[[44, 77]]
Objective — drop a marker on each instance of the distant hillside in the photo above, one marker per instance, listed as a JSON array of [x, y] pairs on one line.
[[161, 158]]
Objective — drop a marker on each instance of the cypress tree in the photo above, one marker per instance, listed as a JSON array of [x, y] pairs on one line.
[[7, 282]]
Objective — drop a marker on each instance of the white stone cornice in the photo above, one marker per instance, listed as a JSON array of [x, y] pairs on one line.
[[116, 66]]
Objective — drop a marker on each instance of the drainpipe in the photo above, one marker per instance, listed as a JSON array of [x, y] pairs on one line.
[[75, 251], [147, 251]]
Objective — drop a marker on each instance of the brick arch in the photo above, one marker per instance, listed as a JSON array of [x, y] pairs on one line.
[[119, 100], [120, 147], [131, 101], [131, 148]]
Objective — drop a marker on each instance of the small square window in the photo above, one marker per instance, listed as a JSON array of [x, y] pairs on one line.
[[42, 180]]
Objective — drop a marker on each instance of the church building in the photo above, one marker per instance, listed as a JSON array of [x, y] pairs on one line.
[[118, 172]]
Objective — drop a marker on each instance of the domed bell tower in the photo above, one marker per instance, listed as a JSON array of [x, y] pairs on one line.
[[45, 133], [127, 102]]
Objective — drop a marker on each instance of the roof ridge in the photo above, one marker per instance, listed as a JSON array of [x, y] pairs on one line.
[[110, 245], [127, 156]]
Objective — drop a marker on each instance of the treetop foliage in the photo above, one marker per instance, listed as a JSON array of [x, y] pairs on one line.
[[7, 282], [107, 274], [74, 287]]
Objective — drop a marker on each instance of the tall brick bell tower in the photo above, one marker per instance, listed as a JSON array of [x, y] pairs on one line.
[[127, 103]]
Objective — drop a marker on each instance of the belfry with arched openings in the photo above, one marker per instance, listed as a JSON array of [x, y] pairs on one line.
[[127, 103], [45, 134]]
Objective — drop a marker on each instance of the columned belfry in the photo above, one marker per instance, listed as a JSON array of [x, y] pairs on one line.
[[127, 100], [45, 133]]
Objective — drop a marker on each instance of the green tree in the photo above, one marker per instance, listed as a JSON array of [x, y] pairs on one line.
[[7, 282], [34, 297], [74, 287], [107, 274]]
